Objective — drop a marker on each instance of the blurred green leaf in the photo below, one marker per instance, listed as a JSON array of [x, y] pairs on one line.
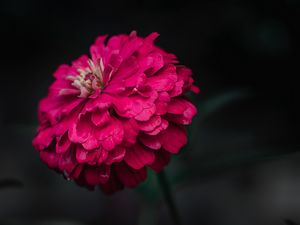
[[290, 222], [211, 166], [215, 103], [10, 183], [149, 189]]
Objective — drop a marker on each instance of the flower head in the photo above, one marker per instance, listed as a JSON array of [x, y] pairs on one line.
[[109, 116]]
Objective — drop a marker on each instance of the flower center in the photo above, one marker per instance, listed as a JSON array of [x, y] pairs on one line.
[[89, 78]]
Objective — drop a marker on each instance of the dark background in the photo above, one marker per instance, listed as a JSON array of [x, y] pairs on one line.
[[241, 166]]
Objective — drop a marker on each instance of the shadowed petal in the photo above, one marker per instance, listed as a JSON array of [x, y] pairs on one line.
[[130, 177], [96, 175], [50, 158], [162, 158], [138, 157], [63, 143]]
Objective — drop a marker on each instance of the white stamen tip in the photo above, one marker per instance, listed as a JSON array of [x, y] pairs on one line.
[[86, 85]]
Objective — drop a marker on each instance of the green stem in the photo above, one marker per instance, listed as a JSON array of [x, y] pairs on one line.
[[166, 190]]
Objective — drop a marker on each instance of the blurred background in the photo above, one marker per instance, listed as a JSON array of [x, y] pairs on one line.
[[242, 163]]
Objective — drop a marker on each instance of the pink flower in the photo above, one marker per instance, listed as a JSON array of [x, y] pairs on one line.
[[108, 117]]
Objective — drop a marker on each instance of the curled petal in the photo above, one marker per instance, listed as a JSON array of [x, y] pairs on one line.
[[81, 131], [181, 111], [164, 80], [116, 155], [146, 113], [185, 75], [164, 124], [177, 135], [148, 44], [150, 141], [151, 124], [152, 63]]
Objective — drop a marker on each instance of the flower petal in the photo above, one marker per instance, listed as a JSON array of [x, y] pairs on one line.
[[96, 175], [150, 141], [67, 163], [81, 130], [162, 158], [135, 106], [81, 62], [162, 103], [50, 158], [181, 111], [110, 135], [113, 184], [130, 177], [138, 157], [43, 139], [100, 118], [115, 155], [151, 63], [164, 124], [131, 128], [63, 143], [164, 80], [151, 124], [81, 154], [185, 75], [177, 135]]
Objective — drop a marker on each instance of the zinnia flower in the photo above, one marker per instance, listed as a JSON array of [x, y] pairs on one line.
[[110, 116]]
